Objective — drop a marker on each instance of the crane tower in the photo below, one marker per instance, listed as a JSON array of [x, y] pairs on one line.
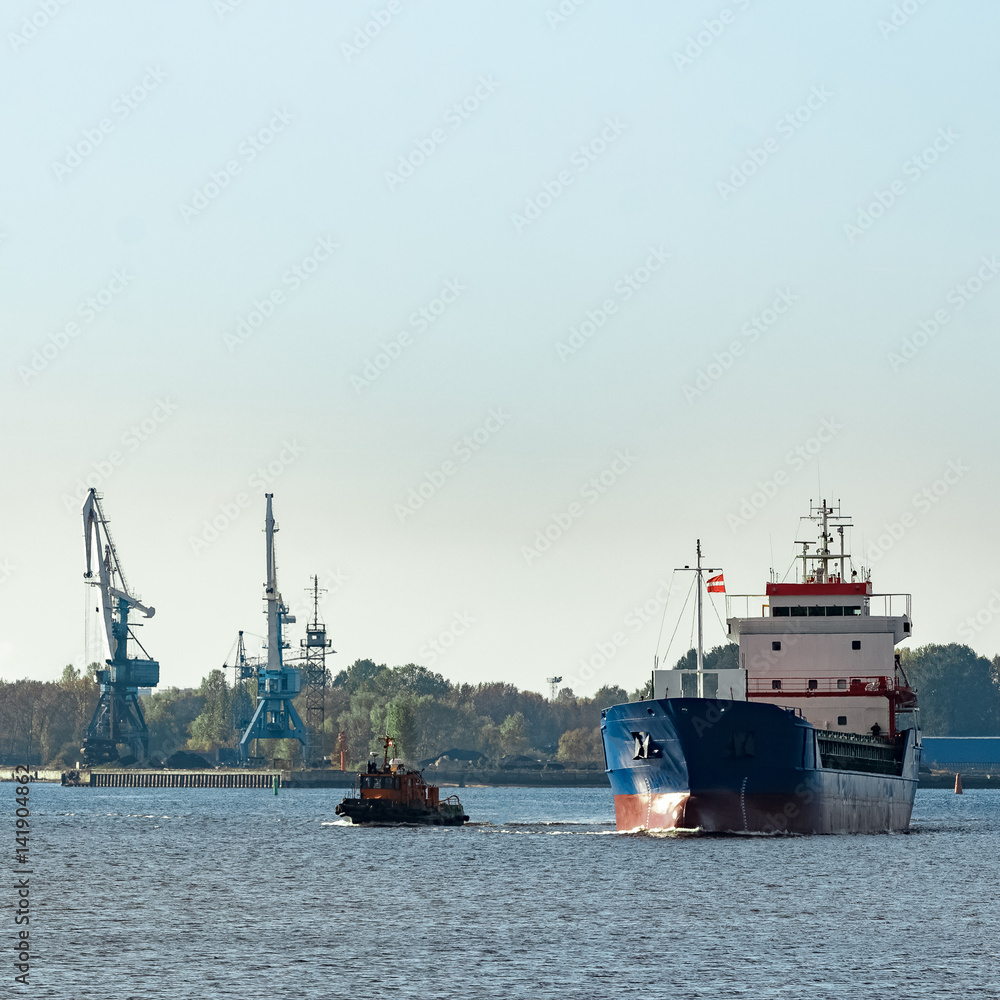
[[275, 717], [244, 685], [118, 717]]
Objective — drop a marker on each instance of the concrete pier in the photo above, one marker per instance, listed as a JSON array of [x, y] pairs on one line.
[[135, 778], [208, 778]]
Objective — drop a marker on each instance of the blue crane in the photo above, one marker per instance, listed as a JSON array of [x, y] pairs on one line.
[[118, 717], [275, 717]]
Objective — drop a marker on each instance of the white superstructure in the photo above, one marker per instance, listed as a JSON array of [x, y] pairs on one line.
[[825, 646]]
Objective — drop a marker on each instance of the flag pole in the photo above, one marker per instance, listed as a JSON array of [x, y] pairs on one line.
[[699, 572], [701, 657]]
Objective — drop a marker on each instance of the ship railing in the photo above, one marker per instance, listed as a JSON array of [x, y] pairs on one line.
[[747, 606], [759, 605], [833, 736], [889, 605], [818, 687]]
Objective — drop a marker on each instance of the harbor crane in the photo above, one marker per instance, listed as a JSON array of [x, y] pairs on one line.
[[118, 717], [244, 684], [275, 717]]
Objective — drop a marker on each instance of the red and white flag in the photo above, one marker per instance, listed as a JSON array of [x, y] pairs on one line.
[[716, 585]]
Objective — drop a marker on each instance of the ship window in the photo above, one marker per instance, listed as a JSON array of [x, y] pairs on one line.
[[798, 612], [835, 611], [906, 626], [776, 644], [852, 610], [775, 685], [841, 684], [817, 612], [779, 612], [855, 644], [813, 684], [841, 720]]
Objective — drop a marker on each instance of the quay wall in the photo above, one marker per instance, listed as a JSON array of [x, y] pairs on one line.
[[243, 778]]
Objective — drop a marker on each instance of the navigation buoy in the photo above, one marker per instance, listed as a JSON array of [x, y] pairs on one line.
[[958, 784], [276, 781]]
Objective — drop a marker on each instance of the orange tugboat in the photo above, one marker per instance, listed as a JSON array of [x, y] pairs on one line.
[[393, 793]]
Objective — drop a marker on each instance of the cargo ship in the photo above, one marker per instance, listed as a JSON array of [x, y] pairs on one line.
[[390, 794], [815, 730]]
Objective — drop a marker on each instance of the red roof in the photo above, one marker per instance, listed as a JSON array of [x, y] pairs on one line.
[[817, 589]]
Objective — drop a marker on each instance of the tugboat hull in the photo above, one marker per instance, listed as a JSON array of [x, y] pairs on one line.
[[740, 767], [383, 812]]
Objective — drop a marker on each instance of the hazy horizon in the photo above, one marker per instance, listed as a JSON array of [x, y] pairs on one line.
[[455, 281]]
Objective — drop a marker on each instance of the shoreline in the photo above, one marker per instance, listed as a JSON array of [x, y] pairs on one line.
[[317, 778]]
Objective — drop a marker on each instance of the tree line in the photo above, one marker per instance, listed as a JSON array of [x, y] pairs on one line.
[[44, 722]]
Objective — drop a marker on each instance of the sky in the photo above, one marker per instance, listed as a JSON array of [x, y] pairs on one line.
[[507, 304]]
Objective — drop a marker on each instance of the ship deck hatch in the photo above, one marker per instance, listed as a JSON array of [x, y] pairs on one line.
[[851, 752]]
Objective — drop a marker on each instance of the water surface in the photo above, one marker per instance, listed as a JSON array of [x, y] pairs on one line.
[[178, 893]]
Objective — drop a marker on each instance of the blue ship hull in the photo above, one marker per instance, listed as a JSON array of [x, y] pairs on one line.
[[735, 767]]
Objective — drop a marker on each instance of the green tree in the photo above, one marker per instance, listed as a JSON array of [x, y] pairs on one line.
[[956, 690], [610, 694], [443, 724], [356, 722], [169, 714], [643, 693], [583, 744], [490, 742], [725, 657], [512, 734], [359, 675], [412, 679], [401, 724], [214, 725], [287, 749], [393, 718], [495, 700], [79, 698]]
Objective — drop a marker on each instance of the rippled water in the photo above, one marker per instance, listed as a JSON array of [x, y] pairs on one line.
[[235, 893]]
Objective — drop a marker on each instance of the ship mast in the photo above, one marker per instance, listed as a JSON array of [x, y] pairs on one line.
[[701, 651], [700, 572], [819, 571]]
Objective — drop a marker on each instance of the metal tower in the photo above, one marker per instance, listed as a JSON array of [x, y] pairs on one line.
[[118, 717], [275, 717], [553, 683], [314, 648], [244, 686]]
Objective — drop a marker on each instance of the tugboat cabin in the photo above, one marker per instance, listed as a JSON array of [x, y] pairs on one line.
[[395, 784]]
